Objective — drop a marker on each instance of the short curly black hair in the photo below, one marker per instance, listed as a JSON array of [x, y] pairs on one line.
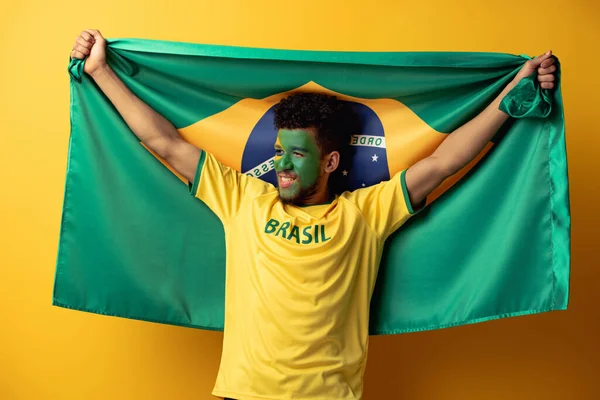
[[333, 120]]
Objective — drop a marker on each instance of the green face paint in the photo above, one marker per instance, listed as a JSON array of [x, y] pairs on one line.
[[297, 164]]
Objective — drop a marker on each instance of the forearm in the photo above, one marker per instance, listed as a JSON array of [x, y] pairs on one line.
[[150, 127], [466, 142]]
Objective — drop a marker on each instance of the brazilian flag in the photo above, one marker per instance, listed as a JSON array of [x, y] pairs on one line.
[[494, 240]]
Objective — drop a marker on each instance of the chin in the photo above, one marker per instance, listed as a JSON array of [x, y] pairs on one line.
[[299, 197], [288, 199]]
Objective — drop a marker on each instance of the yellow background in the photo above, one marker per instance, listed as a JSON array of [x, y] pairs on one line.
[[53, 353]]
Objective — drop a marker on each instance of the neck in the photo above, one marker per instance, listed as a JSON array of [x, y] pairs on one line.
[[320, 196]]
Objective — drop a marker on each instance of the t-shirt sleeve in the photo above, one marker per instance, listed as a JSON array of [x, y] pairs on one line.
[[223, 189], [385, 206]]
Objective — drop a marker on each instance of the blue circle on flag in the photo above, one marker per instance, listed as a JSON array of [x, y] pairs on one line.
[[369, 163]]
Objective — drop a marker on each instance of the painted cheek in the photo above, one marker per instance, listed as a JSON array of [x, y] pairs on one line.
[[308, 171]]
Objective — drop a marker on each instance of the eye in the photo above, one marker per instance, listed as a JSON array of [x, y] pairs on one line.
[[298, 154], [278, 152]]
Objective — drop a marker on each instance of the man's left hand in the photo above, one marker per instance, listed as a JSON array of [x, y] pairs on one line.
[[544, 66]]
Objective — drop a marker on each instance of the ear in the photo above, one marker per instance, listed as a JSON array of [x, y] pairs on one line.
[[332, 161]]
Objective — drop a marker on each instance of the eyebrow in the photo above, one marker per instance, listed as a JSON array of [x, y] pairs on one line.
[[302, 149], [294, 148]]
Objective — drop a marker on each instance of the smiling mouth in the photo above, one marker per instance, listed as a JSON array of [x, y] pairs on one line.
[[286, 181]]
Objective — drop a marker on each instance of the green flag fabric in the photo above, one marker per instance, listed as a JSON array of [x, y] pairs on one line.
[[493, 241]]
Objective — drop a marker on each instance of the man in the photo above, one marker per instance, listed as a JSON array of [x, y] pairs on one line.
[[302, 258]]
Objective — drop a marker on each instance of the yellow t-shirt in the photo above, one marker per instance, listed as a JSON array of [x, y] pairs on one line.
[[298, 284]]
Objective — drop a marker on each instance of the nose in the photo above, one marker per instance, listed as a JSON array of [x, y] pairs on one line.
[[286, 162]]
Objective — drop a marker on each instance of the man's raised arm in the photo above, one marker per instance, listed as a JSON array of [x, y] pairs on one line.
[[466, 142], [150, 127]]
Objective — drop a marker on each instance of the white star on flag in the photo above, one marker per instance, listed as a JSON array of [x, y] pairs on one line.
[[374, 158]]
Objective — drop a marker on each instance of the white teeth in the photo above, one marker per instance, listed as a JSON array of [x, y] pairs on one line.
[[287, 179]]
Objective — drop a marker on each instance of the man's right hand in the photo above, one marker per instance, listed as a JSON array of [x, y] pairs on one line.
[[90, 43], [154, 130]]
